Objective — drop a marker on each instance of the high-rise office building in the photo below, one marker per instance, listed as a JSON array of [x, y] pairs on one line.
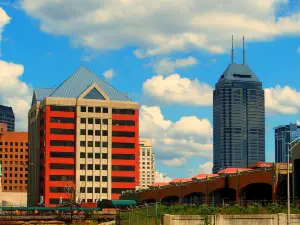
[[284, 135], [238, 118], [84, 135], [147, 171], [7, 116]]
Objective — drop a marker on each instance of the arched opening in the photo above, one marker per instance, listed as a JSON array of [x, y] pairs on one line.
[[194, 198], [257, 192], [170, 200], [223, 195], [281, 190], [149, 201]]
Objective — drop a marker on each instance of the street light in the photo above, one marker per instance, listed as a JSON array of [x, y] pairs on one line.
[[288, 179]]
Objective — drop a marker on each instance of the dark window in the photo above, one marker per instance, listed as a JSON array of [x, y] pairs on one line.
[[82, 166], [104, 190], [98, 109], [123, 111], [82, 178], [105, 121], [123, 134], [90, 143], [104, 155], [97, 155], [83, 109], [97, 144], [104, 179], [90, 178], [90, 200], [123, 156], [90, 132], [82, 154], [242, 76], [105, 110], [90, 155], [122, 168], [61, 166], [97, 166], [62, 154], [83, 120], [123, 122], [62, 108], [97, 178], [97, 190], [122, 145], [57, 190], [123, 179], [104, 144], [54, 201], [119, 190], [104, 167], [61, 178], [82, 189], [104, 133], [82, 132], [61, 131], [90, 120], [90, 109], [61, 143], [90, 166], [82, 143], [97, 132], [97, 121], [89, 190]]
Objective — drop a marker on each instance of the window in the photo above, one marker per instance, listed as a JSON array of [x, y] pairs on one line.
[[62, 154], [90, 178], [104, 178], [98, 109], [90, 132], [97, 190], [104, 155], [123, 179], [97, 155], [57, 190], [61, 143], [104, 167], [90, 120], [16, 143], [97, 167], [90, 109], [105, 110], [56, 108], [97, 121], [61, 178], [122, 168], [89, 190], [82, 109], [123, 134], [61, 131], [59, 166], [90, 166], [82, 189], [104, 133], [61, 120], [90, 155], [104, 144], [104, 190], [97, 132], [82, 143], [82, 132], [97, 178], [97, 144], [122, 145], [82, 154], [123, 156], [90, 143], [83, 120], [82, 166], [123, 122], [123, 111]]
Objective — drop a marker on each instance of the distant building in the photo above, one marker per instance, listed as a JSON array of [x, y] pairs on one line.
[[7, 116], [83, 135], [147, 171], [283, 135], [238, 118]]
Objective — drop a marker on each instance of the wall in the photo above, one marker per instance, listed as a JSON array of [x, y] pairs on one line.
[[13, 198], [268, 219]]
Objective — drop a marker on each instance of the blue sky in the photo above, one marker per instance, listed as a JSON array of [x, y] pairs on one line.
[[144, 45]]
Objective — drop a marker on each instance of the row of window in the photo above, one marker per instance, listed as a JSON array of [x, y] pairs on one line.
[[91, 144], [10, 188], [13, 150], [91, 132], [15, 181], [90, 155], [104, 167], [90, 178], [13, 143], [5, 156], [90, 167]]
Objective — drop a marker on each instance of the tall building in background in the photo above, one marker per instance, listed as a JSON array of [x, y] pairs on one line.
[[7, 116], [147, 171], [283, 135], [83, 134], [238, 118]]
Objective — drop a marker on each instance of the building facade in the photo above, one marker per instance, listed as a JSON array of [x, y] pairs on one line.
[[83, 135], [7, 116], [283, 135], [147, 171], [13, 161], [238, 119]]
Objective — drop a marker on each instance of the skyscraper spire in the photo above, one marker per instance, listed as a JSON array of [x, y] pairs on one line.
[[232, 52], [244, 53]]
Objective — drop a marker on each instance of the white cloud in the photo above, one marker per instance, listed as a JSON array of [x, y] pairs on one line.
[[298, 122], [187, 137], [282, 100], [109, 74], [298, 50], [161, 177], [205, 168], [175, 162], [167, 66], [174, 89], [4, 20], [15, 92], [157, 27]]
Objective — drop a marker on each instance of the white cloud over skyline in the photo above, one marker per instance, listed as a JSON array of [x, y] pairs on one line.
[[4, 20], [167, 66], [109, 74]]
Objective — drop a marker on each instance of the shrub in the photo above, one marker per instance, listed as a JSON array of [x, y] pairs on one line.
[[253, 209], [275, 208]]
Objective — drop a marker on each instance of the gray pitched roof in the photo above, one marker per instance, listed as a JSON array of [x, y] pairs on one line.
[[77, 83], [239, 69]]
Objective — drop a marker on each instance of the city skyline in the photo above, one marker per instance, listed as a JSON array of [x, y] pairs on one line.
[[35, 53]]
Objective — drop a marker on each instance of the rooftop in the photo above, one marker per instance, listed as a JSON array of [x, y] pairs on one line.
[[233, 170]]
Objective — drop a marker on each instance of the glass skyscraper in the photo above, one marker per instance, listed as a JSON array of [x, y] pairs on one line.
[[238, 119], [284, 135], [7, 116]]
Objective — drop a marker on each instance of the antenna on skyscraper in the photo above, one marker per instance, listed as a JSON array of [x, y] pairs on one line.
[[232, 52], [244, 52]]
